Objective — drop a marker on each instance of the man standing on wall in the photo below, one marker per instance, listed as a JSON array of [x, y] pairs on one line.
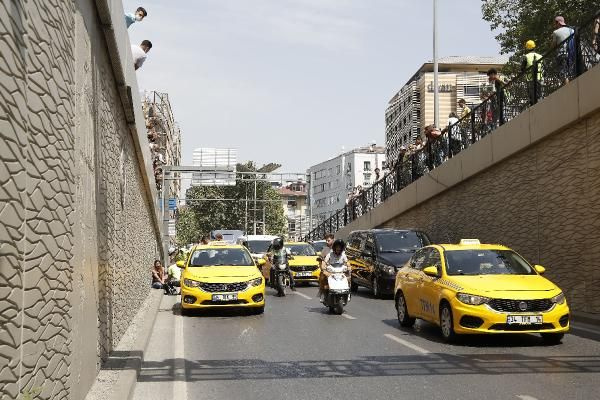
[[531, 65], [139, 53], [139, 15]]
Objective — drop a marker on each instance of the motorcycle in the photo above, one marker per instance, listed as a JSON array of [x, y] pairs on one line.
[[338, 293], [280, 278]]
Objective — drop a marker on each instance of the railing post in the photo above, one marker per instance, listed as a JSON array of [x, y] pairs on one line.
[[578, 56], [535, 82], [373, 196], [337, 221], [384, 189], [473, 126], [448, 132], [500, 99], [346, 214], [331, 224]]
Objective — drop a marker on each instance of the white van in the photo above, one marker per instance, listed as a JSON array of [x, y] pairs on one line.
[[257, 244]]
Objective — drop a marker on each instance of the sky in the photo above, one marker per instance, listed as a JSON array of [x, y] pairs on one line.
[[293, 81]]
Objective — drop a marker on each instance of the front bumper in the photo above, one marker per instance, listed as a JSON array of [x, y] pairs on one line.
[[195, 298], [387, 284], [482, 319]]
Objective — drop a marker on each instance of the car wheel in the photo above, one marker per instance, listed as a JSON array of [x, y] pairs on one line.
[[376, 290], [404, 319], [185, 311], [447, 322], [552, 338], [353, 287], [259, 310]]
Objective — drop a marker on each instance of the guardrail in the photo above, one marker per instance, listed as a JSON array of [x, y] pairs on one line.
[[573, 57]]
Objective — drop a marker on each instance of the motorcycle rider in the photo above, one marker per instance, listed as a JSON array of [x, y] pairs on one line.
[[278, 256], [329, 239], [337, 255]]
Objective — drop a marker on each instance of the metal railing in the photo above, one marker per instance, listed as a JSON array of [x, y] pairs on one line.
[[573, 57]]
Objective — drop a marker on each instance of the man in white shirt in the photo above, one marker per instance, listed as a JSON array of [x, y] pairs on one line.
[[139, 53]]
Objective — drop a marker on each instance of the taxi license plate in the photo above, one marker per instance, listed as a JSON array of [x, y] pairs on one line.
[[303, 274], [524, 320], [224, 297]]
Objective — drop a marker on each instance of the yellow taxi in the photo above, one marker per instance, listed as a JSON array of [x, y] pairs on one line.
[[472, 288], [221, 275], [303, 264]]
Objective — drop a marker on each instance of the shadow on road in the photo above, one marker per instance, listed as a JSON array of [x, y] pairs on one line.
[[376, 366], [229, 312]]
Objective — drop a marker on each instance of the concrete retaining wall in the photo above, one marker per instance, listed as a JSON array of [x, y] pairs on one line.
[[534, 185], [78, 219]]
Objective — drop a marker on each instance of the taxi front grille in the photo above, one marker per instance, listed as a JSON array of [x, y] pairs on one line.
[[517, 328], [300, 268], [224, 287], [507, 305]]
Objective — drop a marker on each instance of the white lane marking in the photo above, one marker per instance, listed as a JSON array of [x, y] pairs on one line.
[[526, 397], [303, 295], [579, 328], [348, 316], [179, 375], [407, 344]]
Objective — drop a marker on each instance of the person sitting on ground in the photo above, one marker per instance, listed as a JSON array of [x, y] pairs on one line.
[[173, 274], [139, 53], [336, 257], [138, 16], [158, 275]]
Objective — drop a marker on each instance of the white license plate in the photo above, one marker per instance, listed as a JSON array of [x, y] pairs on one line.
[[303, 274], [524, 320], [224, 297]]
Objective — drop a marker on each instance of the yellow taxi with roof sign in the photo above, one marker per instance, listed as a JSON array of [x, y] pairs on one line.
[[303, 262], [473, 288], [220, 275]]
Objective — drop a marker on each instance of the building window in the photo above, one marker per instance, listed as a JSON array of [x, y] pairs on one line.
[[349, 168], [291, 203], [291, 226], [338, 169], [471, 90], [367, 179], [367, 166]]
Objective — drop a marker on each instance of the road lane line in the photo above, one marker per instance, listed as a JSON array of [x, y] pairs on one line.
[[179, 375], [407, 344], [348, 316], [303, 295], [526, 397]]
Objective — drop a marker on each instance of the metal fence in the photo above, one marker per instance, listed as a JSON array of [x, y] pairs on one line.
[[573, 57]]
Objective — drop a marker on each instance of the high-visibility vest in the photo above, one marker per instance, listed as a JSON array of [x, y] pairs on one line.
[[530, 58]]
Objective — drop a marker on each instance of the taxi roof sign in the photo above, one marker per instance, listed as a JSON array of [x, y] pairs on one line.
[[469, 242]]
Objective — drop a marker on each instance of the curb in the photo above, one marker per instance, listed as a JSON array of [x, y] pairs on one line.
[[591, 319], [126, 361]]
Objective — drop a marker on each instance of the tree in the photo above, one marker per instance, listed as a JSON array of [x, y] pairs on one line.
[[520, 20], [186, 226], [231, 213]]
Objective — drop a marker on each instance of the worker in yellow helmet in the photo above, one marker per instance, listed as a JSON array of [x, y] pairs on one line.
[[531, 65]]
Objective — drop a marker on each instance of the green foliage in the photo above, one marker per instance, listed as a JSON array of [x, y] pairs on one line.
[[186, 227], [517, 21], [213, 215]]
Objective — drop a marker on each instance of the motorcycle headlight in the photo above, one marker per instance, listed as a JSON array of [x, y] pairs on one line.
[[559, 298], [472, 299], [256, 282], [282, 267], [388, 270], [191, 283]]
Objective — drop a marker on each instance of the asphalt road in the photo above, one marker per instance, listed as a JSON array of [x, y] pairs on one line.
[[296, 350]]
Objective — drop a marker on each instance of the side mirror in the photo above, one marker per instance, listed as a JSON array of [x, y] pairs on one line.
[[540, 270], [261, 262], [367, 254], [180, 264], [431, 271]]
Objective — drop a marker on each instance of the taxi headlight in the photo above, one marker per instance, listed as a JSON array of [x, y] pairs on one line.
[[559, 298], [388, 270], [472, 299], [256, 282], [191, 283]]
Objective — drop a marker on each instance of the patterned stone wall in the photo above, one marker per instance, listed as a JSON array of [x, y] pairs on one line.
[[544, 202], [77, 236]]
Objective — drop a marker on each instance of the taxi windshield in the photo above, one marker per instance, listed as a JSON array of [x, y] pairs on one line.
[[318, 246], [258, 246], [399, 241], [301, 249], [213, 257], [486, 262]]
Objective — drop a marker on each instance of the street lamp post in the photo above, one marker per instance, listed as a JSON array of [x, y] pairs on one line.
[[436, 97]]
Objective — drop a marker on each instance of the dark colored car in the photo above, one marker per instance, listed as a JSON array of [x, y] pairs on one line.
[[376, 255]]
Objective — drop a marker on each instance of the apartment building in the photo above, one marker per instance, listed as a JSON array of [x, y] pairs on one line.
[[294, 197], [333, 180]]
